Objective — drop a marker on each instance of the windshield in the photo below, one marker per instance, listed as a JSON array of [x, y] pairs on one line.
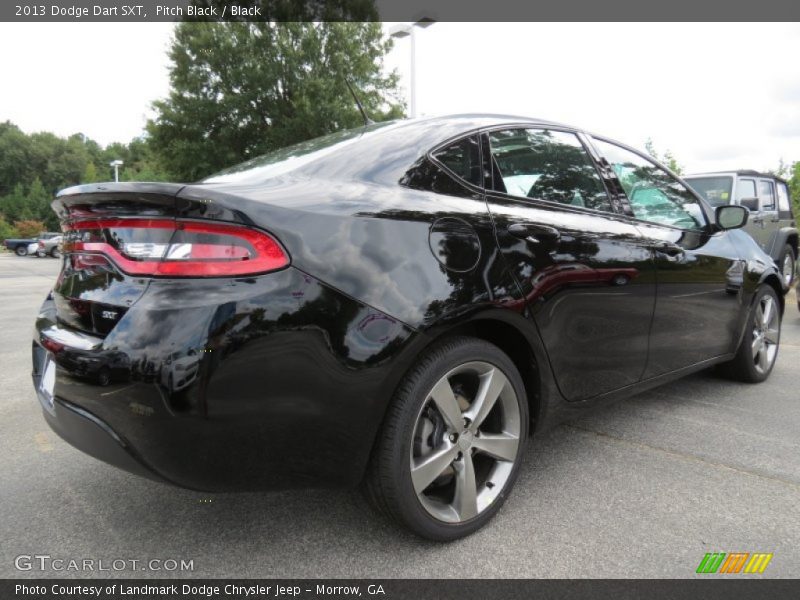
[[716, 190], [290, 158]]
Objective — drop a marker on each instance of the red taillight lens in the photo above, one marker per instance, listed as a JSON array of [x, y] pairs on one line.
[[161, 247]]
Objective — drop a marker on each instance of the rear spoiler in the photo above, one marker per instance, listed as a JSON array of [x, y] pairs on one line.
[[96, 200]]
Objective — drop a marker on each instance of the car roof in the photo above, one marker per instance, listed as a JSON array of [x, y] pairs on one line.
[[379, 152], [742, 172]]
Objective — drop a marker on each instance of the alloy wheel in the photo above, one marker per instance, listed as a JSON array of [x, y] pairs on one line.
[[766, 334], [466, 441], [787, 268]]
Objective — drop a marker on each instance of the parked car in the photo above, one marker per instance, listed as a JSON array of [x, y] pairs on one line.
[[21, 246], [400, 305], [771, 221], [46, 247], [179, 370]]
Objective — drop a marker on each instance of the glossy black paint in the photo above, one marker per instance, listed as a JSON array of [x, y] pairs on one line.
[[283, 379]]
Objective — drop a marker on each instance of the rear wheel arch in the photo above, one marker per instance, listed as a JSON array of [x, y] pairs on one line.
[[517, 347], [505, 330]]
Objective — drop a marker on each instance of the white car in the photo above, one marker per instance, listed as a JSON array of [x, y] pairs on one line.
[[46, 247]]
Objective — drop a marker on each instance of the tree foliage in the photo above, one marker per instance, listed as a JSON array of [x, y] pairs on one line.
[[29, 228], [666, 159], [33, 167], [6, 229], [243, 89], [794, 188]]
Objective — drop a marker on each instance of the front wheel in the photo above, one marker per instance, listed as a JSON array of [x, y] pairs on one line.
[[759, 348], [450, 448]]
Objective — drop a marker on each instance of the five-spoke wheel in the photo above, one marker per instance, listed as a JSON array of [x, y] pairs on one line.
[[449, 451], [759, 348], [766, 333], [465, 441]]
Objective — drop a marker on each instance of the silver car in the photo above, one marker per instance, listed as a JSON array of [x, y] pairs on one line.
[[46, 247]]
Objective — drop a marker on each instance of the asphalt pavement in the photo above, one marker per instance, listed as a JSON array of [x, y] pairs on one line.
[[643, 488]]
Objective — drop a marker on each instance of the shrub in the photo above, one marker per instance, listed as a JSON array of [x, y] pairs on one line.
[[29, 228]]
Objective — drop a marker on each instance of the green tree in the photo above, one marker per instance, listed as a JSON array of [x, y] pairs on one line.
[[38, 202], [6, 230], [15, 157], [14, 206], [243, 89], [782, 169], [667, 158], [89, 173], [794, 188]]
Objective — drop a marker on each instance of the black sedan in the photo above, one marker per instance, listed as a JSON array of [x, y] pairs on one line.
[[400, 306]]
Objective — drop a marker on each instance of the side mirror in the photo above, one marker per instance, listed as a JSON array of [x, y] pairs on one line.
[[731, 217], [750, 204]]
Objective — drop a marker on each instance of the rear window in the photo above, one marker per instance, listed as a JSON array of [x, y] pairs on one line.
[[287, 159], [716, 190]]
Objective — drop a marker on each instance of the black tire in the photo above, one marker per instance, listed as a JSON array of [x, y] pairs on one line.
[[55, 252], [21, 250], [745, 367], [104, 377], [388, 482]]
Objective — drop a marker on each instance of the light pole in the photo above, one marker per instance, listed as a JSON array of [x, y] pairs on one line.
[[403, 30], [116, 164]]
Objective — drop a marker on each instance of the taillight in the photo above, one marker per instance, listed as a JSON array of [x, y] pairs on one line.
[[41, 244], [162, 247]]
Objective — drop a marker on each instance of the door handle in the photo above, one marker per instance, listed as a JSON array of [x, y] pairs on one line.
[[535, 234]]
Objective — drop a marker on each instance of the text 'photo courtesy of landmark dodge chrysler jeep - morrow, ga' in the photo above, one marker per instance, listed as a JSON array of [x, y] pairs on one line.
[[399, 306]]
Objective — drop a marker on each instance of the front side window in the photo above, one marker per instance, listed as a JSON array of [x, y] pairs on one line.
[[546, 165], [463, 159], [766, 191], [654, 194], [745, 189]]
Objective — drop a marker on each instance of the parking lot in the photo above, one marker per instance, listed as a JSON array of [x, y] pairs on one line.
[[641, 489]]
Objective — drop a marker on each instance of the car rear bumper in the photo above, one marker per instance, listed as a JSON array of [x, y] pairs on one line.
[[289, 388], [93, 436]]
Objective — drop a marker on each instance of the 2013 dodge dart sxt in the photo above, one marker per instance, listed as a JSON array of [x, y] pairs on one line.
[[399, 305]]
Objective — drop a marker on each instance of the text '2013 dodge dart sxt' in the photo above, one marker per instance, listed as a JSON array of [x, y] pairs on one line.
[[400, 306]]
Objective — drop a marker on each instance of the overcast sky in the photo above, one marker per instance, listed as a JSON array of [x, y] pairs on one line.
[[718, 95]]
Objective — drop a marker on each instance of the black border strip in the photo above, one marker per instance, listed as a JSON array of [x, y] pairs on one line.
[[708, 587], [400, 10]]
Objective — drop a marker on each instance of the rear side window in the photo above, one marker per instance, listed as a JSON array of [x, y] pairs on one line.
[[463, 159], [783, 198], [766, 191], [745, 188], [547, 165]]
